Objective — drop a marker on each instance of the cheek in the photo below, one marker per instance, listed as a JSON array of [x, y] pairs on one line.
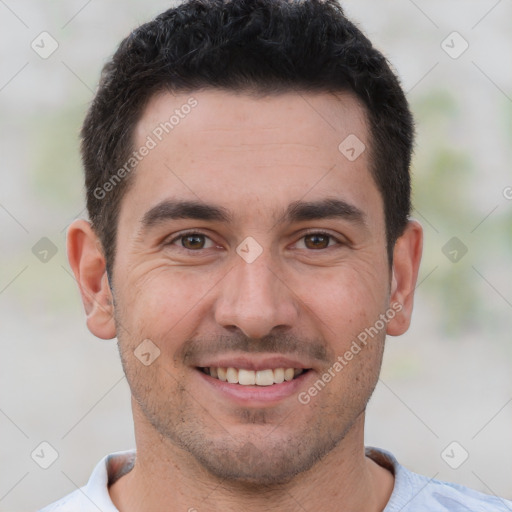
[[160, 303], [348, 300]]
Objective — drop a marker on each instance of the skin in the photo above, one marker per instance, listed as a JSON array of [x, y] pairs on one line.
[[302, 297]]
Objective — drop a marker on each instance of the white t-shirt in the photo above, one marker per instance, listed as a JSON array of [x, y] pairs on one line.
[[411, 493]]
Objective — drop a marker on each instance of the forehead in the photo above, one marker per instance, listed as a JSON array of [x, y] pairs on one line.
[[255, 153], [295, 117]]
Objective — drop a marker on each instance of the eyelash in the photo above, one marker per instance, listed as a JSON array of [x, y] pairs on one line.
[[313, 232], [322, 233]]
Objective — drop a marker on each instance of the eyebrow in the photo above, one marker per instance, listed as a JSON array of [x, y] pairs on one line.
[[177, 209], [322, 209], [296, 211]]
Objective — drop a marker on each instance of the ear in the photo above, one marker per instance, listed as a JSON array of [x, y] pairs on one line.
[[406, 263], [88, 264]]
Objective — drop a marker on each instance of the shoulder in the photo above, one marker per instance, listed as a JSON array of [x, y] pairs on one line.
[[415, 493], [446, 496], [94, 495], [75, 501]]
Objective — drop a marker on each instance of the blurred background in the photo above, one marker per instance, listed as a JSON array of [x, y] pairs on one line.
[[444, 402]]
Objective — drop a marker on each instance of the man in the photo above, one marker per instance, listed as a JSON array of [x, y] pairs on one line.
[[247, 175]]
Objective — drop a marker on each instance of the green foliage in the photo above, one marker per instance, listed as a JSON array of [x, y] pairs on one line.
[[56, 170], [444, 181]]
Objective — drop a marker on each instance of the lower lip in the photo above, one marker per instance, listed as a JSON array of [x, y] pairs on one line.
[[257, 395]]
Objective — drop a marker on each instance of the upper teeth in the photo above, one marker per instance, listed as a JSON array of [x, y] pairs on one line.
[[251, 377]]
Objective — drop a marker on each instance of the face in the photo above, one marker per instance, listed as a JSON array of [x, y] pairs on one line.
[[248, 241]]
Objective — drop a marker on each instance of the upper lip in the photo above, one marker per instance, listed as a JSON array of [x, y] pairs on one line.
[[253, 362]]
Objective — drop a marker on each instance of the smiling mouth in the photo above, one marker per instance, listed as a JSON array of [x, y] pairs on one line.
[[267, 377]]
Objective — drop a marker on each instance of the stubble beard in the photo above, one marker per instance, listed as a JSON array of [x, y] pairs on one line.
[[271, 453]]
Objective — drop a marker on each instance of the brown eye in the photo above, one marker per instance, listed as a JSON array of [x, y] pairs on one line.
[[193, 242], [317, 241]]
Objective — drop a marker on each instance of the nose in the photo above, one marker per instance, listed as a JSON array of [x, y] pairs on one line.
[[255, 298]]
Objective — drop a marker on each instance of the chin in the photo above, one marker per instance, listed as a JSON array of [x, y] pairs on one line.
[[260, 461]]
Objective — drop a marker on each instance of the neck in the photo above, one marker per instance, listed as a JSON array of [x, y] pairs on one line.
[[165, 477]]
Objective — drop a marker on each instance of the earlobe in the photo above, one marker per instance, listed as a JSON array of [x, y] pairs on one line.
[[406, 262], [89, 267]]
